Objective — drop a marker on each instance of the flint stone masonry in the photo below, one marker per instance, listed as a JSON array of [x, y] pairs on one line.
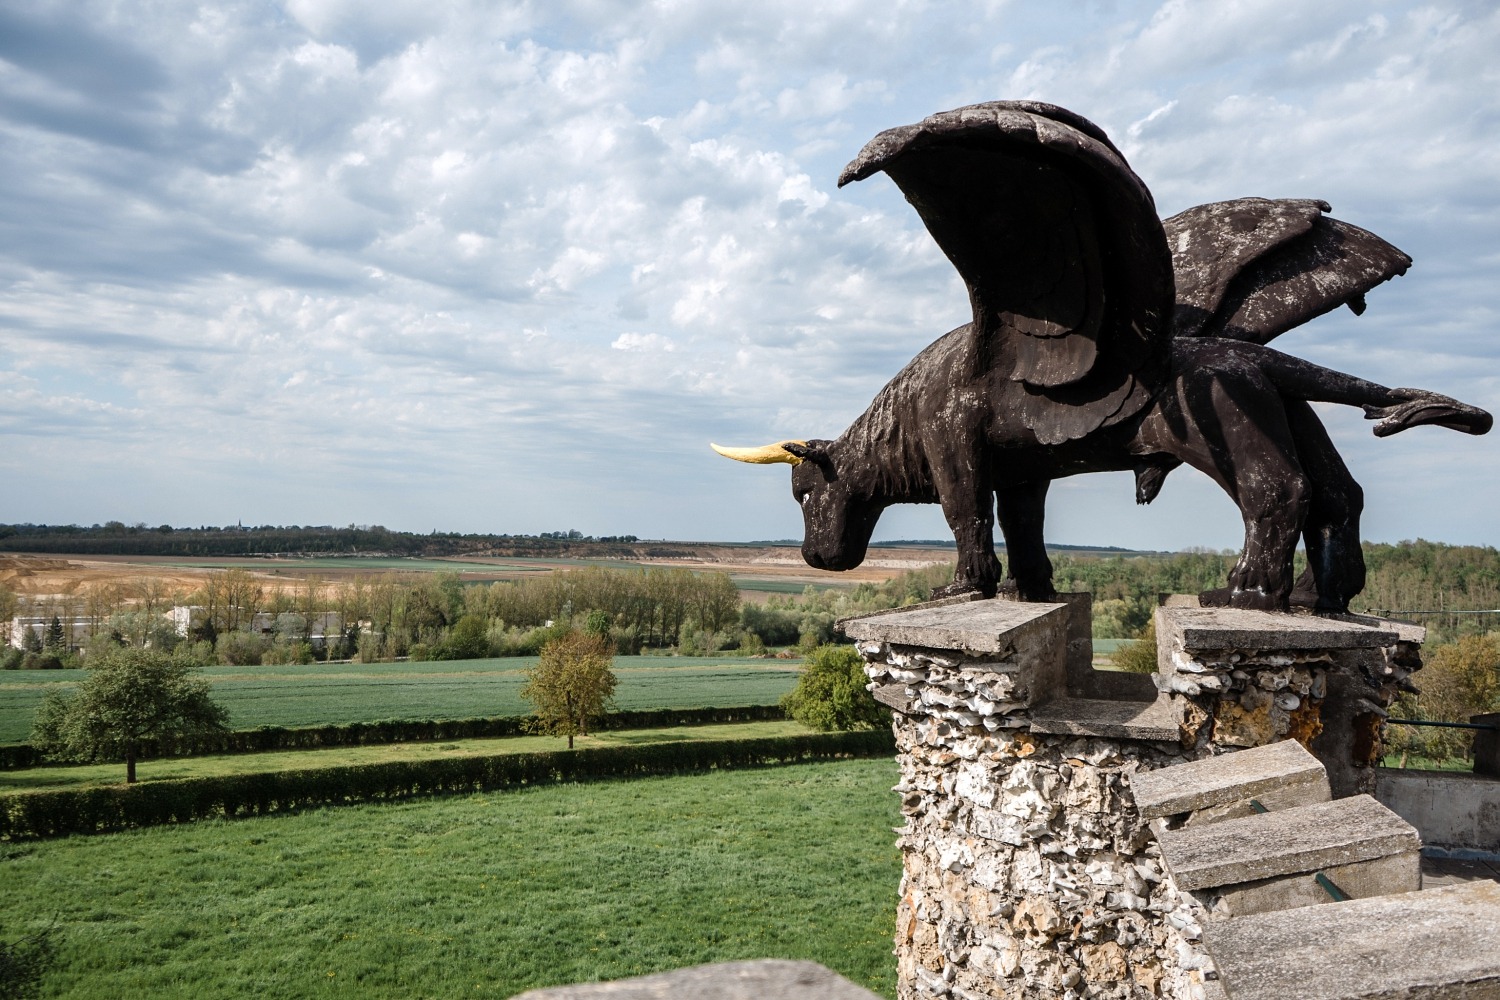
[[1027, 875], [1277, 775], [1306, 838], [1439, 944], [1247, 678], [756, 980]]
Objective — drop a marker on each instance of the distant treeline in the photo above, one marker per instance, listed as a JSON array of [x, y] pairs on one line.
[[117, 539]]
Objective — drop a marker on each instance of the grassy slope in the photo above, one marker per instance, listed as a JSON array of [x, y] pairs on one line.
[[480, 896], [36, 779], [458, 689]]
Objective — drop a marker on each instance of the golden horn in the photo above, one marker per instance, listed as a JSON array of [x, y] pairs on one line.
[[764, 455]]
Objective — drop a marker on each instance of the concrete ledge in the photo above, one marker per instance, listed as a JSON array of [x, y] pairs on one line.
[[970, 626], [725, 981], [1236, 628], [1131, 720], [1284, 773], [1435, 944], [1290, 841]]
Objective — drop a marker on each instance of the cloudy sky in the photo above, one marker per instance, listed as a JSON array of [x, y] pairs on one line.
[[510, 266]]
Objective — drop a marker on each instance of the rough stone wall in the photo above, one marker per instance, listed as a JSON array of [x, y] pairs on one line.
[[1027, 872]]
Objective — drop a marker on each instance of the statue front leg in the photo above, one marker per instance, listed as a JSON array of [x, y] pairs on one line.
[[1022, 512], [969, 512]]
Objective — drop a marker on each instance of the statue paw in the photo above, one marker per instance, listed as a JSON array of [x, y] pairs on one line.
[[1423, 407]]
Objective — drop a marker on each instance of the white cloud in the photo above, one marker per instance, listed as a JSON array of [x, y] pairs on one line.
[[436, 265]]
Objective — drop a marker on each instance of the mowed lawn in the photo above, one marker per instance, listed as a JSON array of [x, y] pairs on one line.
[[477, 896], [322, 694]]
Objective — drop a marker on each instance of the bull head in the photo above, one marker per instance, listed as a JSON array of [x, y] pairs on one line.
[[838, 514]]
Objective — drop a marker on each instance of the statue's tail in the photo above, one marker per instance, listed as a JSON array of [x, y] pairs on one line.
[[1396, 409]]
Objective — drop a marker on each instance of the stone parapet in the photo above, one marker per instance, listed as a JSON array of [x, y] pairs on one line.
[[1031, 869], [1242, 678]]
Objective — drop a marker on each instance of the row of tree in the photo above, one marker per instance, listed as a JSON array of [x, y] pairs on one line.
[[116, 538]]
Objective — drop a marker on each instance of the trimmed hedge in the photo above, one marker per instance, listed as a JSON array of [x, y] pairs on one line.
[[120, 807], [22, 756]]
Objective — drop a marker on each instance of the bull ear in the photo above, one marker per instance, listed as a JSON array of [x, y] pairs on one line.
[[789, 452]]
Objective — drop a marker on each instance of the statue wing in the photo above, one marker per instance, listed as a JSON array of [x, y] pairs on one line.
[[1254, 268], [1060, 246]]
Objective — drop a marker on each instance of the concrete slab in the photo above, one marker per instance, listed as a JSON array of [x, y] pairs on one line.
[[1285, 773], [1131, 720], [1237, 628], [723, 981], [1435, 944], [972, 626], [1302, 839]]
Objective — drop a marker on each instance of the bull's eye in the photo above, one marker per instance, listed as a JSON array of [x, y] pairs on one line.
[[803, 498]]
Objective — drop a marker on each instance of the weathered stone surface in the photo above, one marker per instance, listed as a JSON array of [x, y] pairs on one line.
[[975, 627], [1111, 719], [1301, 839], [756, 980], [1284, 772], [1457, 812], [1440, 943], [1027, 874], [1238, 628], [1083, 680]]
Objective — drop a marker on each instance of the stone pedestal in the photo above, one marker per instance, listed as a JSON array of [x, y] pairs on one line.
[[1247, 678], [1028, 870]]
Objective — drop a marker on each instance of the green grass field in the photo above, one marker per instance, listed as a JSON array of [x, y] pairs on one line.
[[455, 689], [168, 769], [478, 896]]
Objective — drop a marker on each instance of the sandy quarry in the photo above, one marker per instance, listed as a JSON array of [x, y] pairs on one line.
[[47, 575]]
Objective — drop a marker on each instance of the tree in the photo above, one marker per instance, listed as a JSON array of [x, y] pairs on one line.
[[130, 696], [54, 640], [468, 639], [571, 684], [831, 692]]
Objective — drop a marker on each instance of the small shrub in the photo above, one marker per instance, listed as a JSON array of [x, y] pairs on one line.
[[1139, 657], [23, 963], [831, 692]]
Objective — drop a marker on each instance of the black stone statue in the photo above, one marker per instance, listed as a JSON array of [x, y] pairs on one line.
[[1105, 339]]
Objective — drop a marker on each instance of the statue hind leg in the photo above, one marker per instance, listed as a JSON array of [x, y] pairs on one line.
[[1331, 531], [1225, 418]]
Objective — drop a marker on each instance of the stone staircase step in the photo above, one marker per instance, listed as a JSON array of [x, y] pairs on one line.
[[1305, 855], [1440, 943], [1301, 839], [1276, 776], [1132, 720]]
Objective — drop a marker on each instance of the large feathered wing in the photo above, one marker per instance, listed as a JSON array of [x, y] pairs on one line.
[[1058, 241], [1254, 268]]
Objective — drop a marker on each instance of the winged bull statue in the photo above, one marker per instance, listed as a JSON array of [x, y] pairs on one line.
[[1105, 339]]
